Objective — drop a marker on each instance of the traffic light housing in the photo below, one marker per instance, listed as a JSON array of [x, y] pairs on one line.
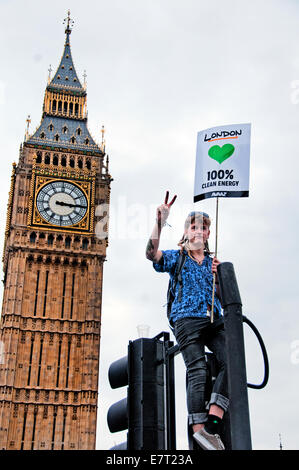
[[118, 377], [144, 370]]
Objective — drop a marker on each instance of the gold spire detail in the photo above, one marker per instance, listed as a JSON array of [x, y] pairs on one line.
[[49, 76], [84, 77], [28, 121], [103, 143]]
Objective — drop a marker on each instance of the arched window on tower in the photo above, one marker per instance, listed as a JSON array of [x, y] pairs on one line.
[[68, 242], [47, 159], [72, 163], [63, 161], [39, 157], [55, 160], [85, 244], [80, 164], [50, 239], [32, 237], [59, 240], [59, 106], [54, 106], [65, 107]]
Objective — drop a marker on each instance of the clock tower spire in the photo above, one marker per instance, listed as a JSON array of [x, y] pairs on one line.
[[53, 274]]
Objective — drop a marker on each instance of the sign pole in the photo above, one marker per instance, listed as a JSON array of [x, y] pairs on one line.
[[222, 169], [214, 275]]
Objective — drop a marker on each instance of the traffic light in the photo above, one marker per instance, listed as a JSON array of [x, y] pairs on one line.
[[144, 411], [118, 377]]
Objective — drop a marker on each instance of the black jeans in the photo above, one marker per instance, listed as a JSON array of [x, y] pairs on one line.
[[192, 335]]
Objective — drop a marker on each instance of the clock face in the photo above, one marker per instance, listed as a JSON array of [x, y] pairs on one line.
[[61, 203]]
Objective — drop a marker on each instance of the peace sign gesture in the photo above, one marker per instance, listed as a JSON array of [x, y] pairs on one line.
[[164, 209], [172, 200]]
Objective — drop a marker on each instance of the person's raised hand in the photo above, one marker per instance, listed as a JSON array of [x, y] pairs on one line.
[[164, 209]]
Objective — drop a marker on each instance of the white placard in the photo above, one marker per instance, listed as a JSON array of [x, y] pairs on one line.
[[222, 162]]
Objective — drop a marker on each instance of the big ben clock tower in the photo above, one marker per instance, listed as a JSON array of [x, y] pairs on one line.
[[53, 273]]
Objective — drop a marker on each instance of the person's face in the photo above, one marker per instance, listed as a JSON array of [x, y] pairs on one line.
[[198, 233]]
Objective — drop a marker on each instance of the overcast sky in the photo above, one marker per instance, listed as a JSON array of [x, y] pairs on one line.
[[159, 71]]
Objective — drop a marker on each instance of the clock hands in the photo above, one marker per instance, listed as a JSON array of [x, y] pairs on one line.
[[61, 203]]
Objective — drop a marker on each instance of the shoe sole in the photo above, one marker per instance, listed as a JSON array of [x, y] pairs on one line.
[[204, 443]]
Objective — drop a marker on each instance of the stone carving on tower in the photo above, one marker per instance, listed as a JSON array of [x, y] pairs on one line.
[[53, 273]]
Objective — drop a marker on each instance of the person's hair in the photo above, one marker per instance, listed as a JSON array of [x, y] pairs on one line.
[[191, 219]]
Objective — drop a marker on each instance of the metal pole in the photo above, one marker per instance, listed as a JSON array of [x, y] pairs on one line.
[[214, 275], [170, 397], [236, 364]]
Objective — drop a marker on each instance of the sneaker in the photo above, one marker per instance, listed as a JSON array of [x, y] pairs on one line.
[[208, 441]]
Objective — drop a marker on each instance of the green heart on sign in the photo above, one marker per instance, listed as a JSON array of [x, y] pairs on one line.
[[221, 153]]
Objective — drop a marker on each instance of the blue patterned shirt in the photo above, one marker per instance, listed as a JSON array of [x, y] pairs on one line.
[[197, 286]]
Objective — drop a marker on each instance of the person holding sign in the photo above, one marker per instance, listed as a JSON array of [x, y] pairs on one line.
[[191, 269]]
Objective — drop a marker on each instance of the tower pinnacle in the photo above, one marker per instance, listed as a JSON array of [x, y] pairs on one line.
[[69, 23], [64, 119]]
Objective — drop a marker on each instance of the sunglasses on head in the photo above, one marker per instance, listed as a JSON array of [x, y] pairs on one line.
[[195, 213]]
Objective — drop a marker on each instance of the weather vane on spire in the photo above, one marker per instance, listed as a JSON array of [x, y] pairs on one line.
[[69, 22]]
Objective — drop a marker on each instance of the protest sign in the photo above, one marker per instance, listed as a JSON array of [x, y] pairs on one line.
[[222, 162]]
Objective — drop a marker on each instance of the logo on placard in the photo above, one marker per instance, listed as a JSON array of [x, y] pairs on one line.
[[219, 194], [220, 154]]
